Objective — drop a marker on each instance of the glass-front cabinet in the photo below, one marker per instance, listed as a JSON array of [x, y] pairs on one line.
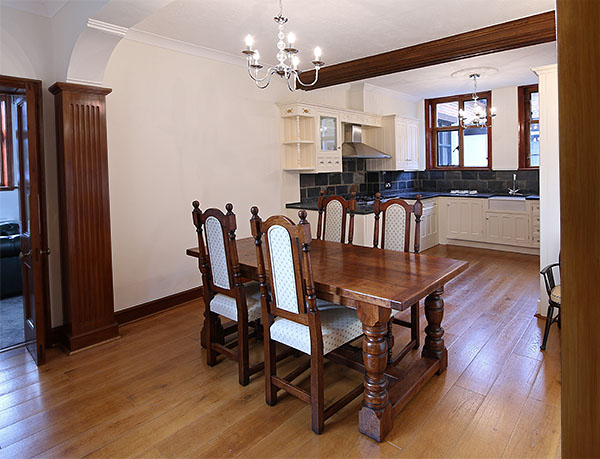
[[329, 141]]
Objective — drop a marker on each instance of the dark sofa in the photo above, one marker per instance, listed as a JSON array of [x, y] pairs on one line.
[[10, 264]]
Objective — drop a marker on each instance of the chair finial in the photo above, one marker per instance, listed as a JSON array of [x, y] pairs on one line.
[[302, 214], [378, 195], [254, 211], [229, 208], [195, 204], [322, 192]]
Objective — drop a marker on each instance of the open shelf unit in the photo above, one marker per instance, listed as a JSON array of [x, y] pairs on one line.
[[298, 144]]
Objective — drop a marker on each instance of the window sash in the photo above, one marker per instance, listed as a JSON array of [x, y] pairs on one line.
[[431, 143]]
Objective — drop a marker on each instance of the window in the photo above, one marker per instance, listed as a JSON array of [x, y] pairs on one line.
[[529, 127], [448, 144], [6, 166]]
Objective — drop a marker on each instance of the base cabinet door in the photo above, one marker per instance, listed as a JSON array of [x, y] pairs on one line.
[[511, 229], [465, 219]]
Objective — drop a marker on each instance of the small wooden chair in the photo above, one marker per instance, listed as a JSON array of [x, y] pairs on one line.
[[395, 235], [333, 211], [224, 293], [553, 291], [292, 318]]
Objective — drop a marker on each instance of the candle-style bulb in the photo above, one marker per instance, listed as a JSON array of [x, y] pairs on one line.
[[291, 38], [256, 56], [295, 62], [493, 111], [249, 41], [317, 54]]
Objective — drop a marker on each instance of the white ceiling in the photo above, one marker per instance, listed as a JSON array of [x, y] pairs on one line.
[[514, 69], [47, 8], [344, 29]]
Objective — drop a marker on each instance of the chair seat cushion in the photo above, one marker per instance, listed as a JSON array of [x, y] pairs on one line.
[[555, 294], [338, 323], [226, 306]]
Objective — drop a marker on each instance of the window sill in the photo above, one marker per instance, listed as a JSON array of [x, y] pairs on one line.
[[535, 168]]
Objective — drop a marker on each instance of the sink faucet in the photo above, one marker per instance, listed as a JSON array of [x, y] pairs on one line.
[[514, 190]]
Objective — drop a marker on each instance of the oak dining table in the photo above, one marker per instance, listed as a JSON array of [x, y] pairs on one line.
[[377, 283]]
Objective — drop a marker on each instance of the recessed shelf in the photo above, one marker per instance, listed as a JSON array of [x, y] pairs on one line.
[[291, 169]]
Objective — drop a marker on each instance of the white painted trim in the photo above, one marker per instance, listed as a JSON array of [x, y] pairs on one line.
[[172, 44], [86, 82], [106, 27], [544, 69]]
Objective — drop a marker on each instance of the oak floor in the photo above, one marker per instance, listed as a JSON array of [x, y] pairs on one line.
[[151, 393]]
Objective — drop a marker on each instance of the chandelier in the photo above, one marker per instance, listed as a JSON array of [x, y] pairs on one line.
[[286, 56], [478, 116]]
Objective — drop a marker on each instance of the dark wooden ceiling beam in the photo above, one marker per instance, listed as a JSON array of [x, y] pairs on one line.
[[529, 31]]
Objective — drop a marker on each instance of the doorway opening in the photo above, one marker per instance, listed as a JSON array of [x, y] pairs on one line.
[[12, 322], [24, 307]]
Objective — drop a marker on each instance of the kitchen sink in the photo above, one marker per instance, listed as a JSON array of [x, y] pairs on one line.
[[514, 203]]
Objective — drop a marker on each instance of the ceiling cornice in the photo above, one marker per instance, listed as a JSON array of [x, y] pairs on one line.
[[529, 31], [172, 44]]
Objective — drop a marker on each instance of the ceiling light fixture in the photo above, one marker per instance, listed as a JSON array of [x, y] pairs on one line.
[[476, 116], [287, 56]]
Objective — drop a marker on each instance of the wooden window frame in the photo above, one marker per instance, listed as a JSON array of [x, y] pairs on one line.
[[7, 175], [524, 97], [431, 132]]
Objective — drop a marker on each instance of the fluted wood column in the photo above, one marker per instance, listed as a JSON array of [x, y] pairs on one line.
[[86, 257]]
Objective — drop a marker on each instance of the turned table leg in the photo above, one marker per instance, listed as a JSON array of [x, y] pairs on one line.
[[375, 416], [434, 340]]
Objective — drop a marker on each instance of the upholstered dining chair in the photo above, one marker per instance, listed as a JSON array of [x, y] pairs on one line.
[[553, 291], [224, 293], [291, 316], [333, 212], [394, 234]]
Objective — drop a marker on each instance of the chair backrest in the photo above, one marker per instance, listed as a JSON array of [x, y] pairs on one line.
[[218, 260], [333, 211], [395, 227], [285, 260]]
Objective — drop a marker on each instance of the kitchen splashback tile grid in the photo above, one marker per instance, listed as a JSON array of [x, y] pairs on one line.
[[354, 173]]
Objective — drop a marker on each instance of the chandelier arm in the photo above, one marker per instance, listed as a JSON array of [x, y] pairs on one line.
[[270, 75], [306, 85], [269, 72]]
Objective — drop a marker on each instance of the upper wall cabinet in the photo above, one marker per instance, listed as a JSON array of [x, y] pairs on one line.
[[312, 136], [399, 137]]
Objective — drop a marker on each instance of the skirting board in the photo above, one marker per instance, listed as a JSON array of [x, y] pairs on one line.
[[152, 307], [57, 334]]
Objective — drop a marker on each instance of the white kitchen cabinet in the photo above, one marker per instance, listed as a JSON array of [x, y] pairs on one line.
[[507, 228], [399, 138], [465, 219], [329, 141], [429, 224]]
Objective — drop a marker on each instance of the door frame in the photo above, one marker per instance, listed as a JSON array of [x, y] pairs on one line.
[[33, 95]]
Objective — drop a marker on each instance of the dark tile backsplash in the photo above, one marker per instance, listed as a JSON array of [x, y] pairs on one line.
[[355, 174]]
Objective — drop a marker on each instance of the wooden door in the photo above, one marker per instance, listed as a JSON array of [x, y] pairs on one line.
[[33, 225]]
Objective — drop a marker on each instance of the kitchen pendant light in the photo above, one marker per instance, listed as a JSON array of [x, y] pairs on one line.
[[286, 56], [478, 116]]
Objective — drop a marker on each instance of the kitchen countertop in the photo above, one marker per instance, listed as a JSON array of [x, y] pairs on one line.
[[362, 209]]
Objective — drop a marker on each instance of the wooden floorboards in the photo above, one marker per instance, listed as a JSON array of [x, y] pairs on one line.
[[151, 393]]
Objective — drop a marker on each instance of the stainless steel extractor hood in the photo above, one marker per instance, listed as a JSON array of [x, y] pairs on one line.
[[353, 146]]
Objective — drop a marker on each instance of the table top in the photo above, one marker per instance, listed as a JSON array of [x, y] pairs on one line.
[[349, 274]]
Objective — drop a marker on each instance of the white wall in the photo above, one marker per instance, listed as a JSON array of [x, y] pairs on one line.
[[549, 173], [505, 131], [180, 128]]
